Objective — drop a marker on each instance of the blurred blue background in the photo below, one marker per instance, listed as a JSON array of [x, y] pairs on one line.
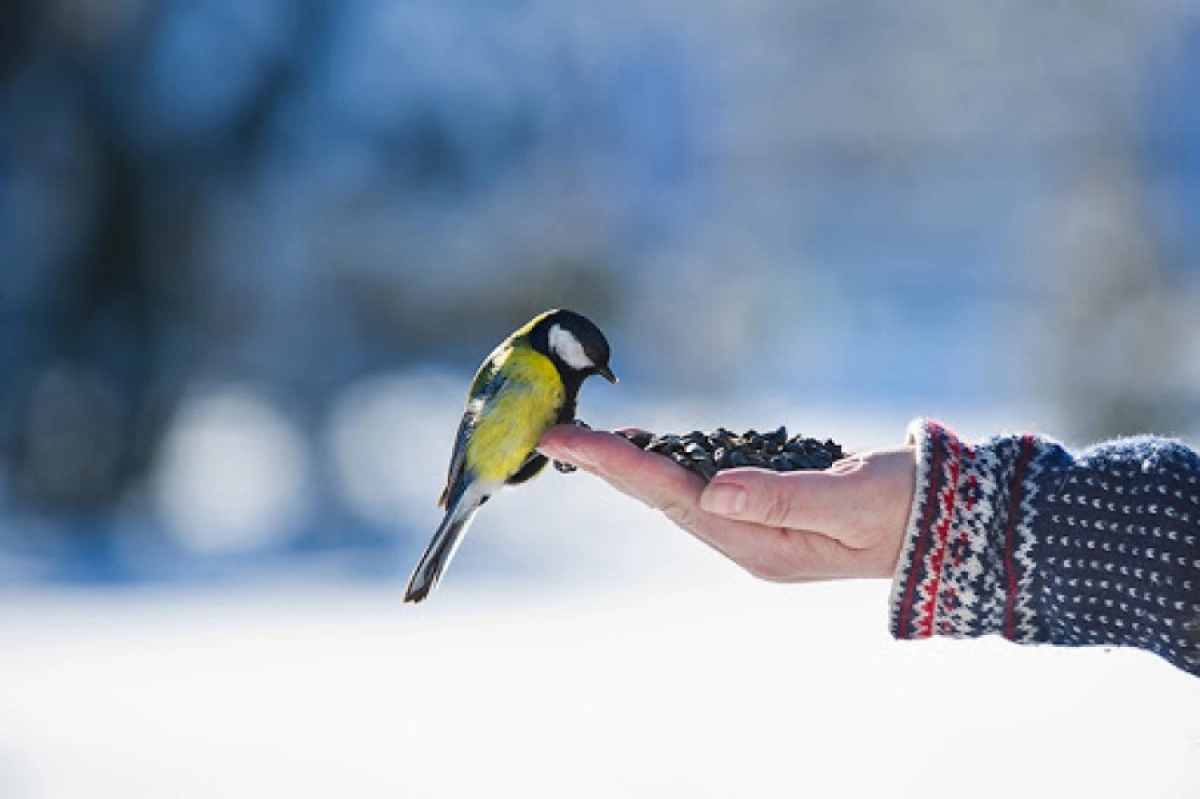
[[240, 237], [251, 252]]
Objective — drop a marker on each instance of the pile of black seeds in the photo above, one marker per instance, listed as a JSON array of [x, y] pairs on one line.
[[708, 453]]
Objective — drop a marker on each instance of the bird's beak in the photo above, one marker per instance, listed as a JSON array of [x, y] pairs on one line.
[[606, 373]]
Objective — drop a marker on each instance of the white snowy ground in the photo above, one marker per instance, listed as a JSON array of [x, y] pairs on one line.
[[704, 687], [631, 662]]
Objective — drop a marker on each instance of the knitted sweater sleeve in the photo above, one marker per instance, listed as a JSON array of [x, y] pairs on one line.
[[1019, 537]]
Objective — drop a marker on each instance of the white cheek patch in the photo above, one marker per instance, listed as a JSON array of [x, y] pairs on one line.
[[566, 346]]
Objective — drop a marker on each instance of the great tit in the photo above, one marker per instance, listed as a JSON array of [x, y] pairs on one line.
[[528, 384]]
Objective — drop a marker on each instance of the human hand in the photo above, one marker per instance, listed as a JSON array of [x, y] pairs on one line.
[[846, 521]]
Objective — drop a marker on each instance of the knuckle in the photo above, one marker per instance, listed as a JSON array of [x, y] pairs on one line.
[[768, 570], [773, 507], [679, 513], [762, 571]]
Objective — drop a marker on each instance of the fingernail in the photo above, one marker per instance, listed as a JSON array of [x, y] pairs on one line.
[[723, 499]]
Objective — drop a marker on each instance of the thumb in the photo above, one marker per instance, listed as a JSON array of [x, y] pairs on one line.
[[813, 501]]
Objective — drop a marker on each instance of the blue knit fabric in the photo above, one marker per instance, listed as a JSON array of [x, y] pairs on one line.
[[1017, 536]]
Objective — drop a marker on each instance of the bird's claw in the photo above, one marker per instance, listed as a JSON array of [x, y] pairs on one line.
[[567, 468]]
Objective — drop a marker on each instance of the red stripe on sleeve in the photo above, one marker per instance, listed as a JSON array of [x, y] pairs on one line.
[[940, 537]]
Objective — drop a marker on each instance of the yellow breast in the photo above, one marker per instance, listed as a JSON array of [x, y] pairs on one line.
[[514, 420]]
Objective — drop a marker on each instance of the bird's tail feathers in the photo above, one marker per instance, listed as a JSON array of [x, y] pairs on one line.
[[444, 544]]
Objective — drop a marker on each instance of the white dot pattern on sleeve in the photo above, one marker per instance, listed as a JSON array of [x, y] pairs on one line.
[[1018, 537]]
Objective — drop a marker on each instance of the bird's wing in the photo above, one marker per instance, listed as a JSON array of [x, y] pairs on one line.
[[488, 381]]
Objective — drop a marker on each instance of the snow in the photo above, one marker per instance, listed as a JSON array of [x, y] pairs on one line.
[[707, 684], [580, 646]]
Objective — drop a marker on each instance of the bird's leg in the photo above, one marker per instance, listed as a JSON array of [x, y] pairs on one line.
[[566, 468]]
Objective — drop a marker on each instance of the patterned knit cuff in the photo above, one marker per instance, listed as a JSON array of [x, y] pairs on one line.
[[965, 567]]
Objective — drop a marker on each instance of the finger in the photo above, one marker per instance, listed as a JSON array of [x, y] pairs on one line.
[[768, 552], [652, 478], [662, 484], [814, 500]]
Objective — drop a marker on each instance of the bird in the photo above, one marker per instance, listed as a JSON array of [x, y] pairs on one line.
[[529, 383]]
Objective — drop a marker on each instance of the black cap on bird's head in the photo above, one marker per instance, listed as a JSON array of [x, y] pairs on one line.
[[573, 342]]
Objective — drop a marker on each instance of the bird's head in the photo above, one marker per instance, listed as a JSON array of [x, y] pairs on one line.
[[574, 343]]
